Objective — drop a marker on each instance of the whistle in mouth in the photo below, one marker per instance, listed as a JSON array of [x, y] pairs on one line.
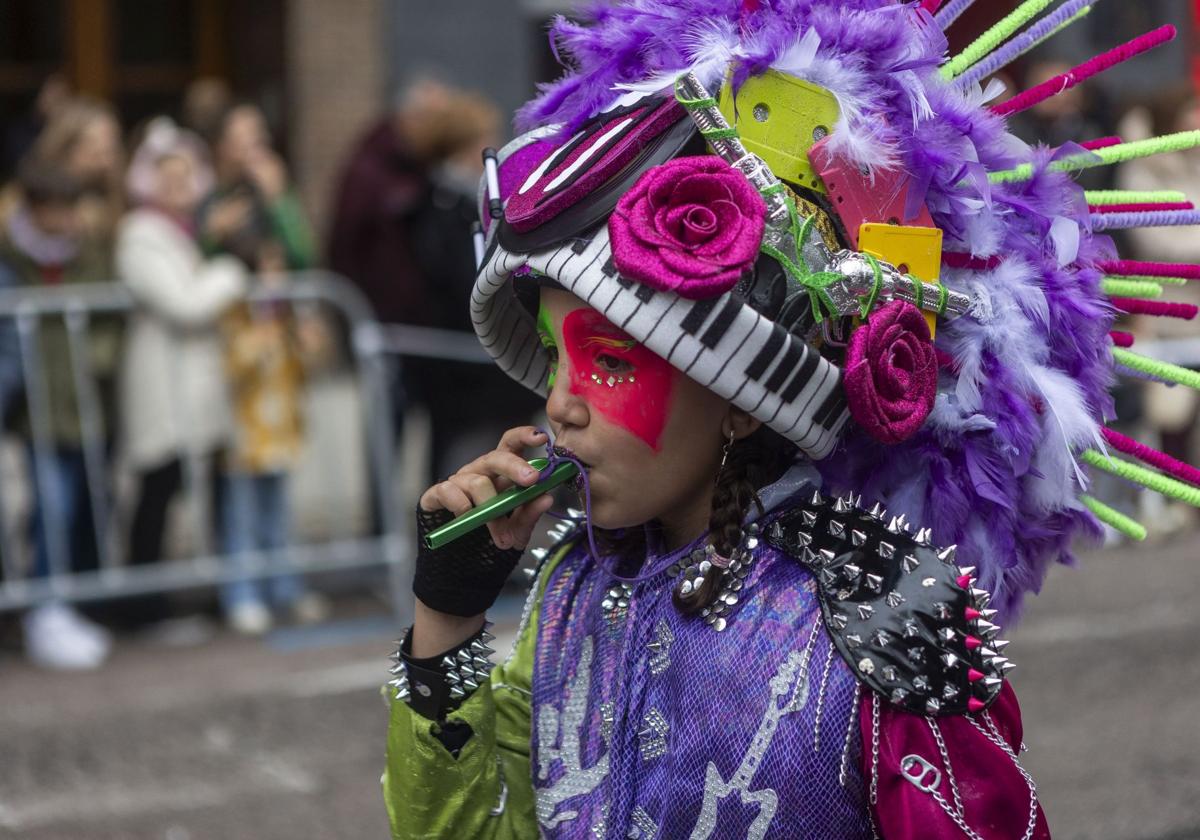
[[501, 504]]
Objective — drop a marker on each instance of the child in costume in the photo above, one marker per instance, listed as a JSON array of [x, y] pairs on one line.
[[723, 250]]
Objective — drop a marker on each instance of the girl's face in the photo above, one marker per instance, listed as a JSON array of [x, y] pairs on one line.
[[651, 437], [243, 136], [177, 185], [97, 153]]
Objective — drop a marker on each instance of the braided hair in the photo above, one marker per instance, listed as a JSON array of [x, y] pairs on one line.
[[753, 463]]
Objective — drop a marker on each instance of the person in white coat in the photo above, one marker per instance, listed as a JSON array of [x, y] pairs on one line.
[[174, 393]]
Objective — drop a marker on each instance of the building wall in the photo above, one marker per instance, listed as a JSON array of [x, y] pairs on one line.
[[337, 71]]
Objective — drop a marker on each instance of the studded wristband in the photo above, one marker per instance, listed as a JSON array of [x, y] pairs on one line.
[[437, 685], [465, 577]]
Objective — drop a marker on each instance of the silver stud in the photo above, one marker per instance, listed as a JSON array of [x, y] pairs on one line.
[[844, 504], [946, 555], [776, 531], [685, 589], [447, 663], [887, 551], [932, 705], [989, 614], [894, 525], [817, 500], [854, 640], [850, 570], [1000, 644], [470, 683], [880, 638], [453, 677], [826, 556], [890, 673], [865, 611], [857, 537], [986, 628], [875, 583], [950, 660], [719, 625], [866, 666], [992, 682], [810, 518], [921, 682], [982, 597], [803, 539], [916, 654], [942, 610], [928, 582], [836, 529], [538, 554], [894, 599], [946, 634], [838, 620], [911, 631], [969, 571], [899, 695], [877, 512], [909, 562], [457, 693], [950, 691], [923, 536], [828, 577]]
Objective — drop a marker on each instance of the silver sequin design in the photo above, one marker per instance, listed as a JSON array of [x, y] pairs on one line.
[[641, 827], [660, 648], [652, 735], [559, 740]]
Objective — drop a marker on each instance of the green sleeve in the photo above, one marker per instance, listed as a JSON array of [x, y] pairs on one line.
[[487, 792], [292, 228]]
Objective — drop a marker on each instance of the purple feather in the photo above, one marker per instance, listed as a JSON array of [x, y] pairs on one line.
[[994, 460]]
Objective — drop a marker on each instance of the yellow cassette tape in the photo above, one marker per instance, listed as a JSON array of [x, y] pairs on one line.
[[779, 117], [913, 250]]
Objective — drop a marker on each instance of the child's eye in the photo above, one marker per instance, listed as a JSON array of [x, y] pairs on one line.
[[612, 364]]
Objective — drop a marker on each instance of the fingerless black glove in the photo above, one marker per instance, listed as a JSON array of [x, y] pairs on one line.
[[465, 577]]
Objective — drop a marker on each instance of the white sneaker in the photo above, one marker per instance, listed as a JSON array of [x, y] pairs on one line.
[[310, 608], [57, 637], [86, 627], [250, 619]]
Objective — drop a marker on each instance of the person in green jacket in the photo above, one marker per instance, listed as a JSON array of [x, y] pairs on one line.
[[42, 243], [253, 199]]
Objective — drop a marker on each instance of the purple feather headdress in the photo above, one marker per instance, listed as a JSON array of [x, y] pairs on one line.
[[1025, 387]]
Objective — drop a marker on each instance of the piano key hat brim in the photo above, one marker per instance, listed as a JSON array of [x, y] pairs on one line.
[[721, 342]]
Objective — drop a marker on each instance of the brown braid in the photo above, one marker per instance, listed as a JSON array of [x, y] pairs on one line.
[[753, 463]]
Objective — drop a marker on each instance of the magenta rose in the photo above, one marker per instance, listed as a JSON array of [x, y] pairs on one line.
[[891, 372], [691, 226]]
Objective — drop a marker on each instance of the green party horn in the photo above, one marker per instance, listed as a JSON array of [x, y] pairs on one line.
[[502, 503]]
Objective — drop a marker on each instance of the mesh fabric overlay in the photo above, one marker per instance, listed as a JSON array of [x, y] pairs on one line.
[[465, 577], [649, 723]]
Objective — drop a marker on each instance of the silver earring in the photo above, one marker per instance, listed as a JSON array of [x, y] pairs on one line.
[[725, 451]]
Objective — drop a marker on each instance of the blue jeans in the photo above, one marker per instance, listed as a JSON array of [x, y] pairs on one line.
[[60, 484], [255, 518]]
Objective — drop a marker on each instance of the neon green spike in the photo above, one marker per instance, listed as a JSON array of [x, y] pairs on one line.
[[1106, 198], [1157, 482], [1161, 281], [1125, 287], [1107, 156], [1114, 518], [994, 37], [1163, 370]]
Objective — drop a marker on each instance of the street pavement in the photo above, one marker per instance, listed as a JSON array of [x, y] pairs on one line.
[[283, 738]]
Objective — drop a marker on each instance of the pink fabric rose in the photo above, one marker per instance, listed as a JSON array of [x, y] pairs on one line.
[[891, 372], [691, 226]]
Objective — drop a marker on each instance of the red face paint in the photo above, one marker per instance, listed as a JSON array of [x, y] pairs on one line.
[[619, 378]]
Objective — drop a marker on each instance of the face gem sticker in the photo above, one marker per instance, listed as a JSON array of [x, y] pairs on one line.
[[622, 380]]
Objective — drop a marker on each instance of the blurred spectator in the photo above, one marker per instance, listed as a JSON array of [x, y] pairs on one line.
[[174, 394], [84, 137], [44, 243], [253, 198], [205, 102], [1172, 412], [21, 133], [1072, 116], [267, 350], [402, 234]]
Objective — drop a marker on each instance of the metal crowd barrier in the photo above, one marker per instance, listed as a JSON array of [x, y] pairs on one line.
[[375, 349]]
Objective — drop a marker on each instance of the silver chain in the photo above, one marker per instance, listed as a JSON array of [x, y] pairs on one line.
[[937, 736], [821, 699], [874, 748], [1002, 744], [849, 732]]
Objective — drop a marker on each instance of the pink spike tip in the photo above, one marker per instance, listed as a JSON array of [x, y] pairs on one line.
[[973, 614], [975, 705], [973, 643], [975, 676], [965, 581]]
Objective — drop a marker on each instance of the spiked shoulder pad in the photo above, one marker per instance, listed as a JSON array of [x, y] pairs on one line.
[[909, 622]]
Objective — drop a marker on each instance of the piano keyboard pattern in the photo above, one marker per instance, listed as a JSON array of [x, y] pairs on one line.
[[721, 342]]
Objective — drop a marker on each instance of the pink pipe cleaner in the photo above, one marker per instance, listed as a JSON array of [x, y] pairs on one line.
[[1162, 309], [931, 6], [1102, 62], [1121, 339], [952, 260], [1134, 268], [1140, 208], [1101, 142], [1178, 469]]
